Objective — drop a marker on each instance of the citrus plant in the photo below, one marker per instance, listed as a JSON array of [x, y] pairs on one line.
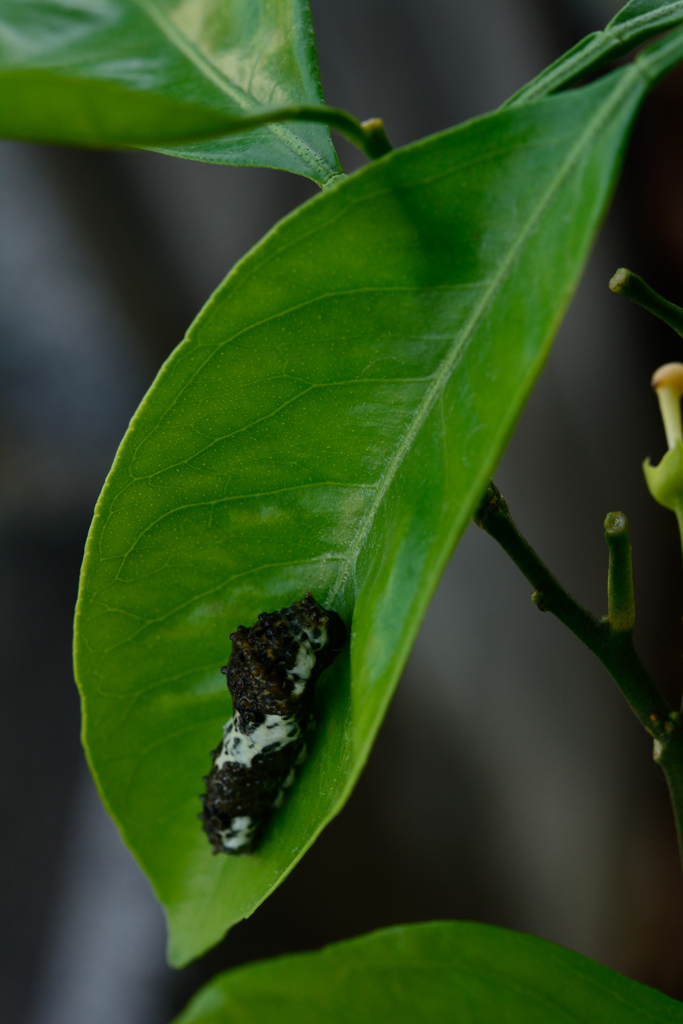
[[329, 424]]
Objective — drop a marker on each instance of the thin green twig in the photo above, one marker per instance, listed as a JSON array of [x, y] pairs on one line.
[[621, 614], [625, 282], [370, 136], [610, 639]]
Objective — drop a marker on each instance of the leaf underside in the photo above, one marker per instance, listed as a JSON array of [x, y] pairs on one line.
[[328, 424], [442, 971], [156, 72]]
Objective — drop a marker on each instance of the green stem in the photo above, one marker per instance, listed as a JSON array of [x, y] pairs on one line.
[[377, 140], [625, 282], [678, 512], [670, 760], [610, 639], [621, 613], [614, 649], [369, 136]]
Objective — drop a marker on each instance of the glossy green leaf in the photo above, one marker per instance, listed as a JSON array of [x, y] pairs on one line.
[[442, 972], [638, 21], [329, 423], [149, 72]]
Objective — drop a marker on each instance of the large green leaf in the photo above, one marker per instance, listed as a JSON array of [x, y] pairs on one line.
[[443, 972], [148, 72], [637, 21], [329, 423]]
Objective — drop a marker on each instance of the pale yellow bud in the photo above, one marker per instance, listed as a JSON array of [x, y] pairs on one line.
[[668, 383]]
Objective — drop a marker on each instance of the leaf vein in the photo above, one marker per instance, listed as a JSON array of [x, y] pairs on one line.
[[443, 375], [236, 94], [214, 590]]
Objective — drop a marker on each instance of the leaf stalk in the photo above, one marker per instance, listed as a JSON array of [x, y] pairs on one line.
[[370, 136]]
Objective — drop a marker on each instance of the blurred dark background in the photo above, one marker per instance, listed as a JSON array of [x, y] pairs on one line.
[[533, 802]]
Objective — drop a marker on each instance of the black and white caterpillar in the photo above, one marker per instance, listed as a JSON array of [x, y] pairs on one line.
[[271, 674]]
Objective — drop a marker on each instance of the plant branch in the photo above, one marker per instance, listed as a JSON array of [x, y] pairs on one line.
[[613, 647], [610, 639], [625, 282]]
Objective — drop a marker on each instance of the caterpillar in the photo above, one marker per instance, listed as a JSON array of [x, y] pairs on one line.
[[271, 677]]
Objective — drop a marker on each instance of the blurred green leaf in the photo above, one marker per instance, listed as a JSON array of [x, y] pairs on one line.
[[443, 972], [329, 423], [151, 72], [636, 22]]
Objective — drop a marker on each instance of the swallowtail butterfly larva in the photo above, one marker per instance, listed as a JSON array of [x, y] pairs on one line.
[[272, 674]]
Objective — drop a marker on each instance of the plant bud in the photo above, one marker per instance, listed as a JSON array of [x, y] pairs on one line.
[[665, 481]]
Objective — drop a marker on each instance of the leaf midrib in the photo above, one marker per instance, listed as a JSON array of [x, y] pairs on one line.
[[623, 28], [491, 286], [442, 376], [223, 83], [617, 33]]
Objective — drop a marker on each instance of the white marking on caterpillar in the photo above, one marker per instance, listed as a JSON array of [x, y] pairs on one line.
[[241, 746], [239, 833], [263, 741], [303, 666], [315, 641]]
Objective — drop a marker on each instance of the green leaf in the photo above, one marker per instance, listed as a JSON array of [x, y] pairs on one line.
[[152, 72], [437, 973], [329, 423], [637, 21]]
